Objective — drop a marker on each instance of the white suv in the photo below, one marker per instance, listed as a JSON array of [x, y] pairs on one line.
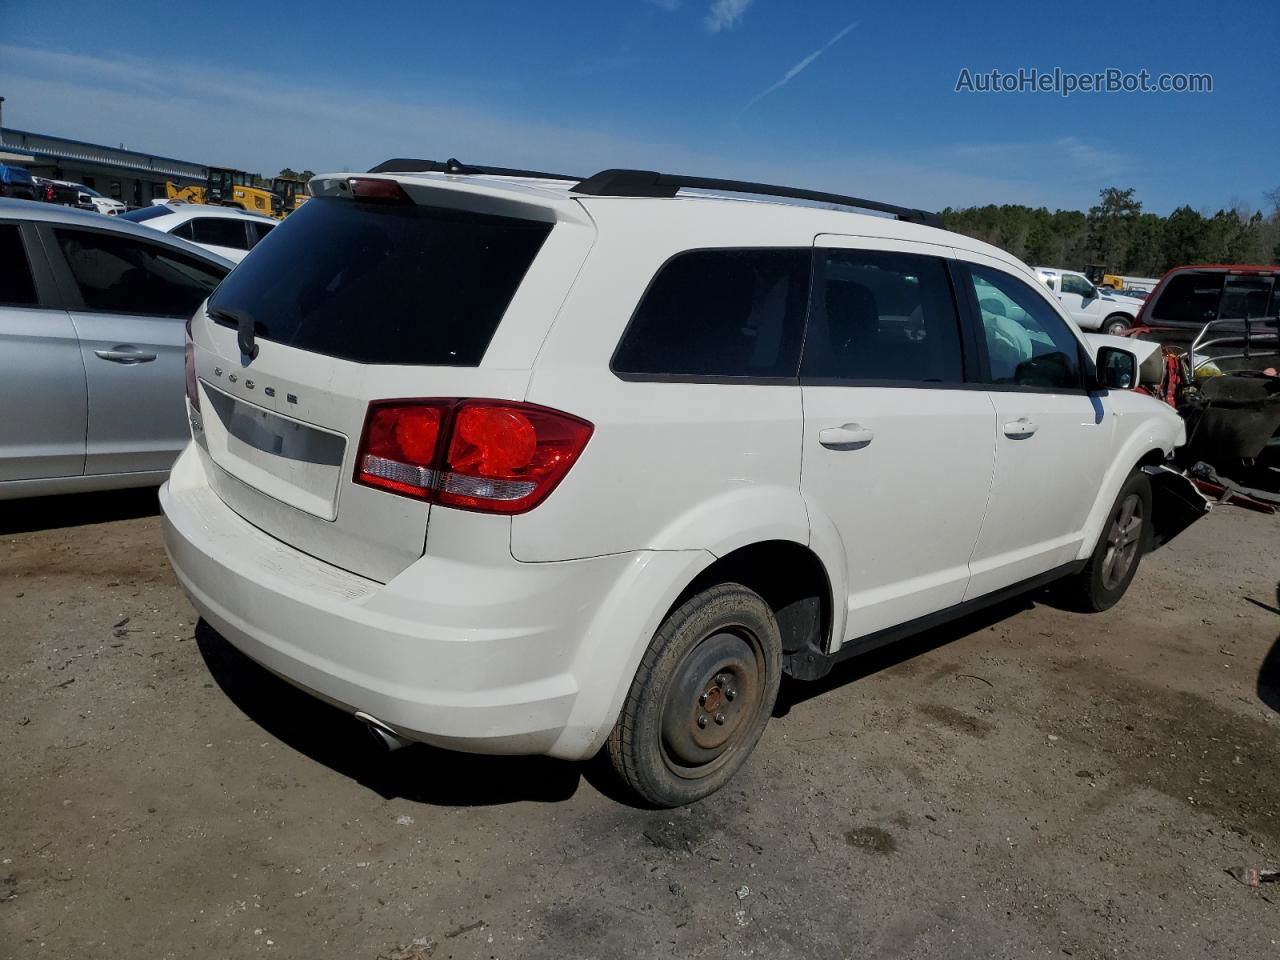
[[524, 465]]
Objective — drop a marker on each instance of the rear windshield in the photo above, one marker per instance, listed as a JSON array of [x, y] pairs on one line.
[[143, 214], [377, 282], [1201, 297]]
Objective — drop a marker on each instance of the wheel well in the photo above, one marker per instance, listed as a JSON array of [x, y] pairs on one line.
[[789, 577], [1152, 458], [1119, 316]]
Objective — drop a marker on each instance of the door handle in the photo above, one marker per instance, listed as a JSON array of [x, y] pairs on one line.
[[850, 436], [124, 353], [1020, 429]]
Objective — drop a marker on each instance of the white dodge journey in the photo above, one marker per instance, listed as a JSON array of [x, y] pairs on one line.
[[512, 463]]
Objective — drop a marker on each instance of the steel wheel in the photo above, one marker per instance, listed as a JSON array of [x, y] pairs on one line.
[[1116, 328], [1124, 537], [701, 697], [713, 697]]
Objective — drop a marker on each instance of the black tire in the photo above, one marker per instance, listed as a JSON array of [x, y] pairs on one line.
[[1120, 547], [700, 699], [1116, 325]]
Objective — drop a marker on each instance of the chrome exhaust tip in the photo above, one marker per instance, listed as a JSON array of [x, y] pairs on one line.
[[385, 736]]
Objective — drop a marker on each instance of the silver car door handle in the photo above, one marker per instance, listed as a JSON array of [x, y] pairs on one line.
[[1020, 429], [850, 436], [124, 353]]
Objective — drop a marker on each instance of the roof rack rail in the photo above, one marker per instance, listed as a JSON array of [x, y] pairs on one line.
[[650, 183], [407, 165]]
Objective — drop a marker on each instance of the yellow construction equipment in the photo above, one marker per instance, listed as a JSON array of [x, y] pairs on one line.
[[232, 188], [292, 193]]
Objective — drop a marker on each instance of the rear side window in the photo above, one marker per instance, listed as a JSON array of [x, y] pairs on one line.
[[17, 286], [720, 313], [883, 317], [219, 232], [257, 233], [378, 282], [120, 274]]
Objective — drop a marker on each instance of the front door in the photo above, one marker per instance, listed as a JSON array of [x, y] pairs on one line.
[[135, 298], [1077, 296], [897, 453], [1053, 439]]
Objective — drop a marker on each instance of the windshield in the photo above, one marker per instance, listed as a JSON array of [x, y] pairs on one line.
[[382, 282]]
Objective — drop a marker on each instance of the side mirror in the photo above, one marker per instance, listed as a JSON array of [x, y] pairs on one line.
[[1091, 292], [1117, 369]]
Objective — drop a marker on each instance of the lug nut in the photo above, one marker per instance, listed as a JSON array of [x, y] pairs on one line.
[[702, 700], [730, 692], [720, 718], [702, 721]]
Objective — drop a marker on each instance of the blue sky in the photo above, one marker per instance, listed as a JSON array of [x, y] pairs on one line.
[[842, 96]]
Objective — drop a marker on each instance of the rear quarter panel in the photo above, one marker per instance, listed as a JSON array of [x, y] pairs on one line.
[[671, 465]]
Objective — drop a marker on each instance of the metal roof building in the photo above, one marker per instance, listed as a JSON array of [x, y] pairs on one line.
[[129, 175]]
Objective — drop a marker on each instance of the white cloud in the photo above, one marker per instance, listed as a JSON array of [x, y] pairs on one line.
[[725, 14], [802, 65]]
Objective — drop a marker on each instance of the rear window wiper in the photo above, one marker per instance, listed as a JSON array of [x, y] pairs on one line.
[[245, 329]]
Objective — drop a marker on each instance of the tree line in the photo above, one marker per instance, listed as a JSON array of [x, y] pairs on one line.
[[1117, 234]]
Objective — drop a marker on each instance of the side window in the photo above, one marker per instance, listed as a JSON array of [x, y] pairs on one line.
[[1028, 344], [125, 275], [720, 313], [183, 230], [258, 232], [219, 232], [883, 316], [1073, 284], [17, 286]]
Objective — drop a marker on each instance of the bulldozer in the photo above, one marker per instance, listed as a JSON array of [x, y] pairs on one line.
[[292, 193], [232, 188]]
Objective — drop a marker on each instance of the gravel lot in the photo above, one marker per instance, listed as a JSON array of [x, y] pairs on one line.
[[1030, 783]]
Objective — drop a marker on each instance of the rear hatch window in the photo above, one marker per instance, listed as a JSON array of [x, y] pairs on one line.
[[1200, 297], [382, 283]]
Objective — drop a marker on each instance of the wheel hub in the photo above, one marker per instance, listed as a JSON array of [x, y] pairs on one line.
[[711, 700]]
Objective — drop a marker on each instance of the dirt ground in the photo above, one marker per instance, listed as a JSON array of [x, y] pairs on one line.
[[1031, 783]]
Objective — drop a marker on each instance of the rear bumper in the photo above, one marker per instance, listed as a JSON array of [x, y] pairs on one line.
[[498, 657]]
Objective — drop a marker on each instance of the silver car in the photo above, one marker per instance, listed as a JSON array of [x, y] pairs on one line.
[[92, 315]]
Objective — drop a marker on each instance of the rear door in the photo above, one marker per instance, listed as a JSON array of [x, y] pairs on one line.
[[132, 299], [1053, 439], [897, 446], [42, 379], [361, 300]]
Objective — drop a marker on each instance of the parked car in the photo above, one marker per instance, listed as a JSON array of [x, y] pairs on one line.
[[91, 334], [1092, 308], [227, 231], [62, 192], [512, 466], [104, 205], [17, 183]]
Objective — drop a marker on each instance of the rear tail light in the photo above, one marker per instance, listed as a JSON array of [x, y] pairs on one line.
[[189, 364], [492, 456]]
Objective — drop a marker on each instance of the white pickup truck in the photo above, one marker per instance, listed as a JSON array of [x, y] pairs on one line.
[[1092, 308]]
